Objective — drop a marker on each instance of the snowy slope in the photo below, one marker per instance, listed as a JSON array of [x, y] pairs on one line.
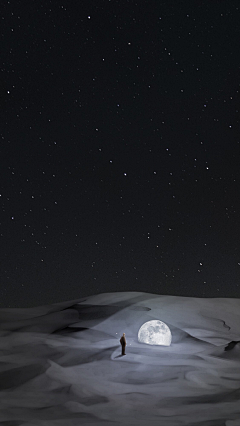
[[62, 365]]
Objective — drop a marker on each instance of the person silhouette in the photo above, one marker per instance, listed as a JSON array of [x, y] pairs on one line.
[[123, 343]]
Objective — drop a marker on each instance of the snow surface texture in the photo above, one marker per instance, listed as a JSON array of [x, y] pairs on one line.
[[61, 365]]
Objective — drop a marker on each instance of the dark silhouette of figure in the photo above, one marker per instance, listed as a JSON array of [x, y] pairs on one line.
[[123, 343]]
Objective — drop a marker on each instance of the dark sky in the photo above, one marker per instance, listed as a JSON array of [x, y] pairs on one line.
[[120, 154]]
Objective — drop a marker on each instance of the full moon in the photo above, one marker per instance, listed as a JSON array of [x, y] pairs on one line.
[[155, 333]]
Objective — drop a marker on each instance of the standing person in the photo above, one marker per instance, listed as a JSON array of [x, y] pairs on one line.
[[123, 343]]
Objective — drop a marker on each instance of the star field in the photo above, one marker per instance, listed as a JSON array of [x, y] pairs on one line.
[[119, 149]]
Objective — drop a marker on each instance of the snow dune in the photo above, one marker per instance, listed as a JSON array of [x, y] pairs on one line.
[[61, 365]]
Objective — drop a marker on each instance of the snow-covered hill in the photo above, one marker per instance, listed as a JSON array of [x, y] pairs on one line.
[[61, 365]]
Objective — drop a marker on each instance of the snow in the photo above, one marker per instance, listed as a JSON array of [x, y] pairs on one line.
[[61, 364]]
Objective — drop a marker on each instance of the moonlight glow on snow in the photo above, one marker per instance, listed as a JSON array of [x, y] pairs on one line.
[[155, 333]]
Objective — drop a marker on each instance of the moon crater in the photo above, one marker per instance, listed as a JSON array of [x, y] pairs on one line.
[[155, 332]]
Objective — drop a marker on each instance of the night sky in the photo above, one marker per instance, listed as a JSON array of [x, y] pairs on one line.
[[120, 154]]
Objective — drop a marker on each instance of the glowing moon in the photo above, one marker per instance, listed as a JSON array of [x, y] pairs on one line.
[[155, 333]]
